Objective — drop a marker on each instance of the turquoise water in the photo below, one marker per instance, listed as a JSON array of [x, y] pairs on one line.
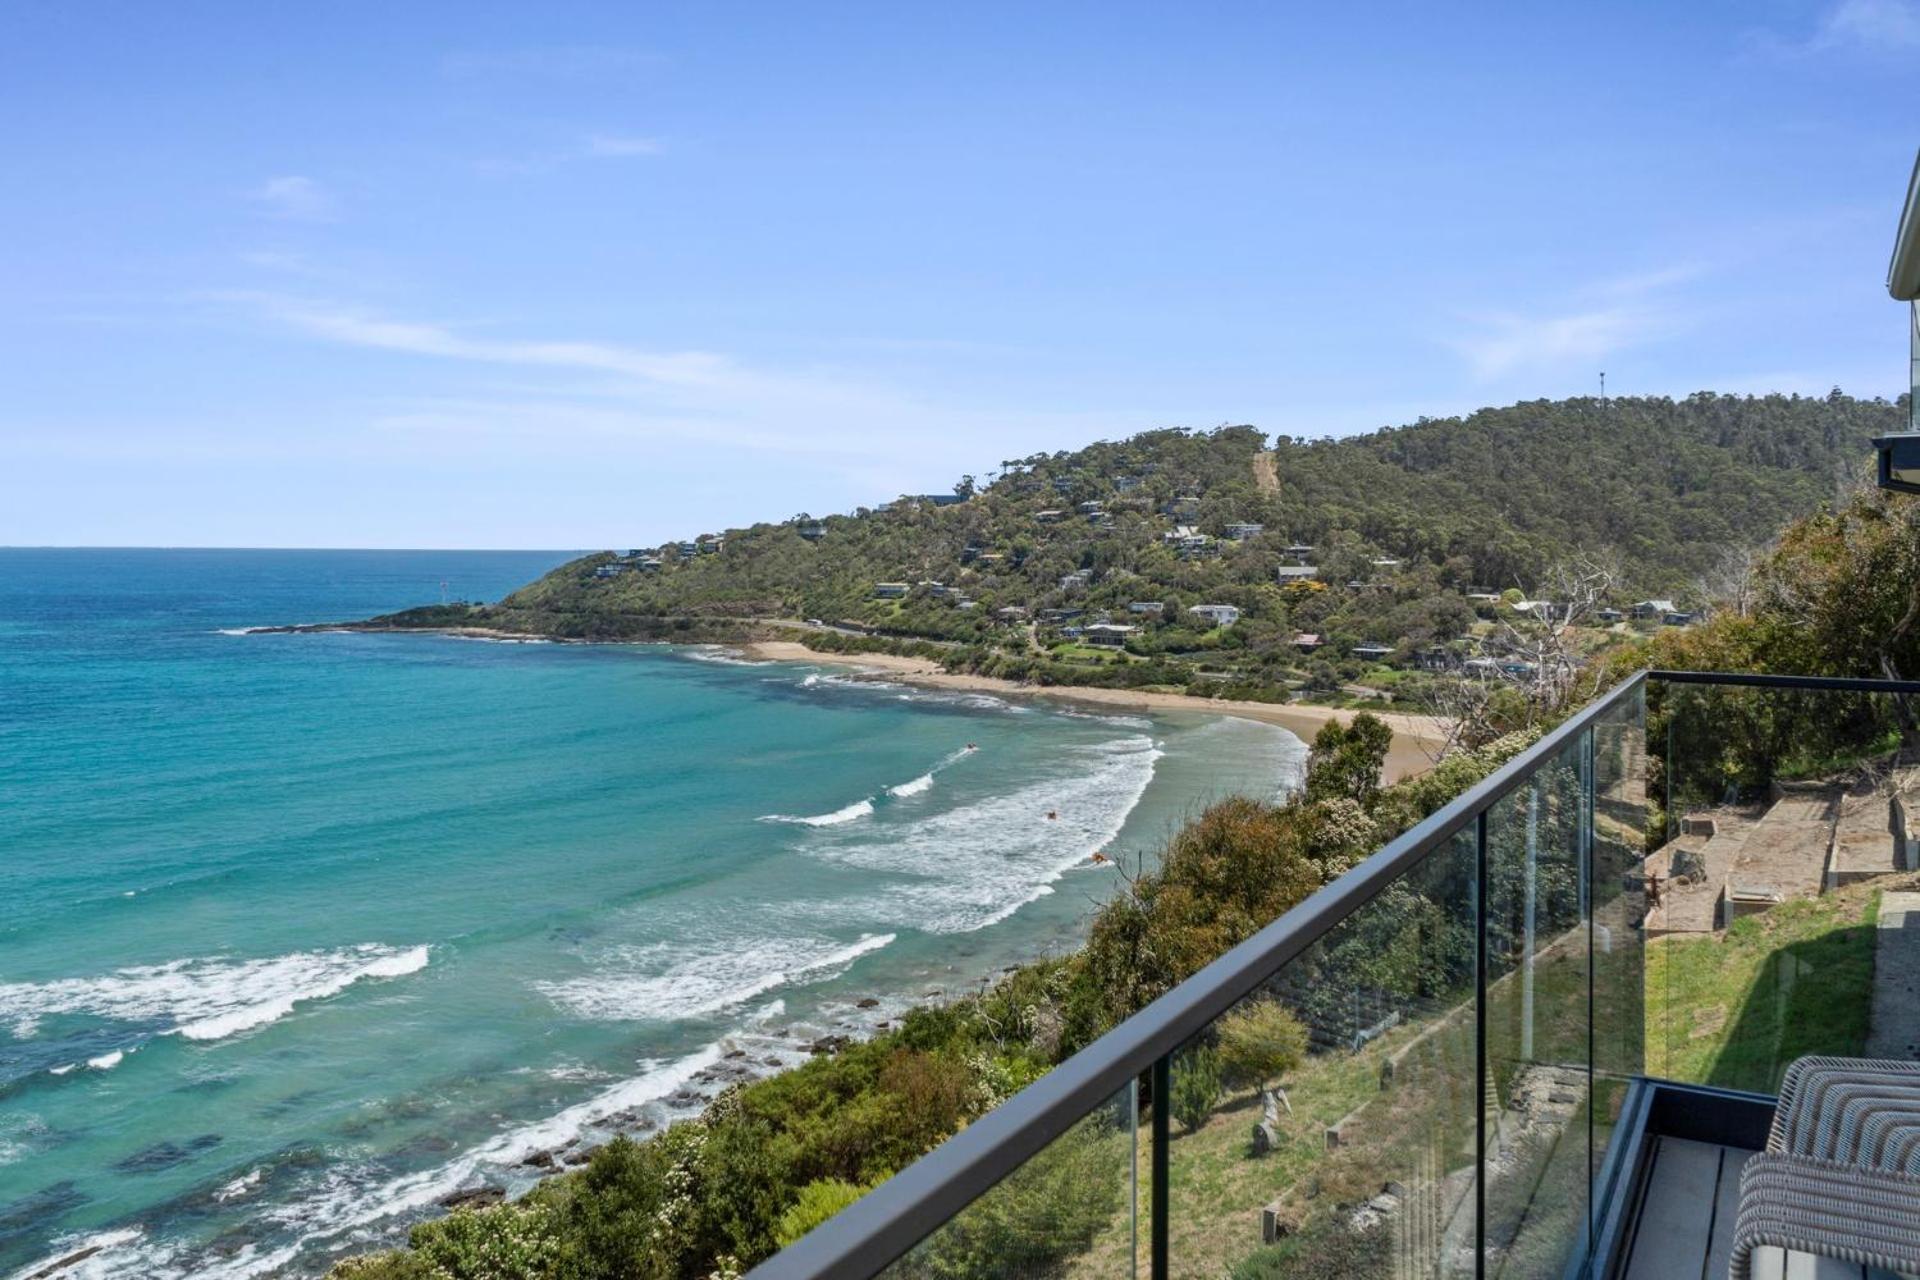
[[301, 933]]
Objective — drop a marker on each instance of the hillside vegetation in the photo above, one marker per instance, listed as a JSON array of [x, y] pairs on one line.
[[1402, 525]]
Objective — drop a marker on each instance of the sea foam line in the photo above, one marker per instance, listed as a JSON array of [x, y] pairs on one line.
[[344, 1207], [204, 999], [858, 809], [634, 986]]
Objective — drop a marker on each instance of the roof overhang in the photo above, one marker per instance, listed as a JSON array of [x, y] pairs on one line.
[[1903, 273]]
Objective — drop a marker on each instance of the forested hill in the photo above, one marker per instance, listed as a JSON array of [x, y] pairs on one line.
[[1420, 514]]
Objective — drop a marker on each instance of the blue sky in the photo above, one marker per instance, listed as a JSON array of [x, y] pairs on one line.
[[593, 275]]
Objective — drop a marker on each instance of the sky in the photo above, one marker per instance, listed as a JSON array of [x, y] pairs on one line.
[[596, 275]]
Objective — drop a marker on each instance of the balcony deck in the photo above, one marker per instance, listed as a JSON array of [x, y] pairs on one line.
[[1685, 1215]]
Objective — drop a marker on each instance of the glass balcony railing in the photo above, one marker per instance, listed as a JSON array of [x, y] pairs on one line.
[[1787, 820], [1446, 1062]]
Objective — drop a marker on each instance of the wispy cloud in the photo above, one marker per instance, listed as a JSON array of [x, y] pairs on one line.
[[610, 145], [1514, 343], [1611, 315], [1882, 28], [294, 198], [362, 329]]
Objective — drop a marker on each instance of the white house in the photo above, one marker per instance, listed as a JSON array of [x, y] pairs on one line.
[[1220, 615], [1297, 572]]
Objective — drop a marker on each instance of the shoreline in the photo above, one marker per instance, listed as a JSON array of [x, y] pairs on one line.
[[1416, 738], [1415, 748]]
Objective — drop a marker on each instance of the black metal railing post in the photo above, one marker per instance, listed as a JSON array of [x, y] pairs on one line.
[[1162, 1136]]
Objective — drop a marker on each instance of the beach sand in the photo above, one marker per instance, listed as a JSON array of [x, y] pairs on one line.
[[1416, 743]]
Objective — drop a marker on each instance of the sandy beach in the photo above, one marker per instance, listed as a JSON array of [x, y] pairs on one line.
[[1416, 738]]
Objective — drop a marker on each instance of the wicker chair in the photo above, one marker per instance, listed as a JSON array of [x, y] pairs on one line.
[[1840, 1177]]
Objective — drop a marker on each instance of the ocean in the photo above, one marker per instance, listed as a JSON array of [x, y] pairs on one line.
[[301, 934]]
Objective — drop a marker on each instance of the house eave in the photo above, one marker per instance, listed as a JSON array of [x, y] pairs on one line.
[[1903, 272]]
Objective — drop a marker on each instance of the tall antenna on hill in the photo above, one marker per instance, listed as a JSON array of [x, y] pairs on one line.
[[1603, 388]]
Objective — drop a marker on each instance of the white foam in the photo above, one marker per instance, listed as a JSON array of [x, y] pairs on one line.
[[107, 1061], [664, 981], [345, 1206], [918, 786], [977, 863], [858, 809], [209, 998], [241, 1185], [722, 655]]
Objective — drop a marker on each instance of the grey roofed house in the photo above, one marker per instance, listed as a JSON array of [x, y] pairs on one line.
[[1296, 572], [1113, 634], [1146, 606], [1241, 531], [890, 590], [1372, 649], [1644, 609]]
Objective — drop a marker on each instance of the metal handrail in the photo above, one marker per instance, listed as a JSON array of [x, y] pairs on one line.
[[898, 1214], [884, 1224]]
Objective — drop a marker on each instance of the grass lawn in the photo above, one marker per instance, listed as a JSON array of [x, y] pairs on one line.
[[1734, 1009]]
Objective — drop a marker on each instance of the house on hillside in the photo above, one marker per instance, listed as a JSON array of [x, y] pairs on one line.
[[811, 530], [1298, 552], [1386, 562], [610, 570], [1049, 516], [648, 564], [1677, 618], [1241, 531], [686, 548], [1434, 657], [1011, 613], [1648, 610], [938, 499], [1147, 608], [1296, 573], [1090, 509], [1108, 635], [1054, 617], [711, 546], [1076, 580], [890, 590], [1372, 651], [1125, 484], [1307, 641], [1220, 615], [1607, 617]]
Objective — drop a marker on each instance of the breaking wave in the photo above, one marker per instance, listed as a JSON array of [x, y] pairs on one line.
[[858, 809], [663, 982], [977, 863], [202, 999]]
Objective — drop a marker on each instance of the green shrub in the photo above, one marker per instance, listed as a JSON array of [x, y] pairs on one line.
[[817, 1202], [1195, 1087], [1260, 1041]]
